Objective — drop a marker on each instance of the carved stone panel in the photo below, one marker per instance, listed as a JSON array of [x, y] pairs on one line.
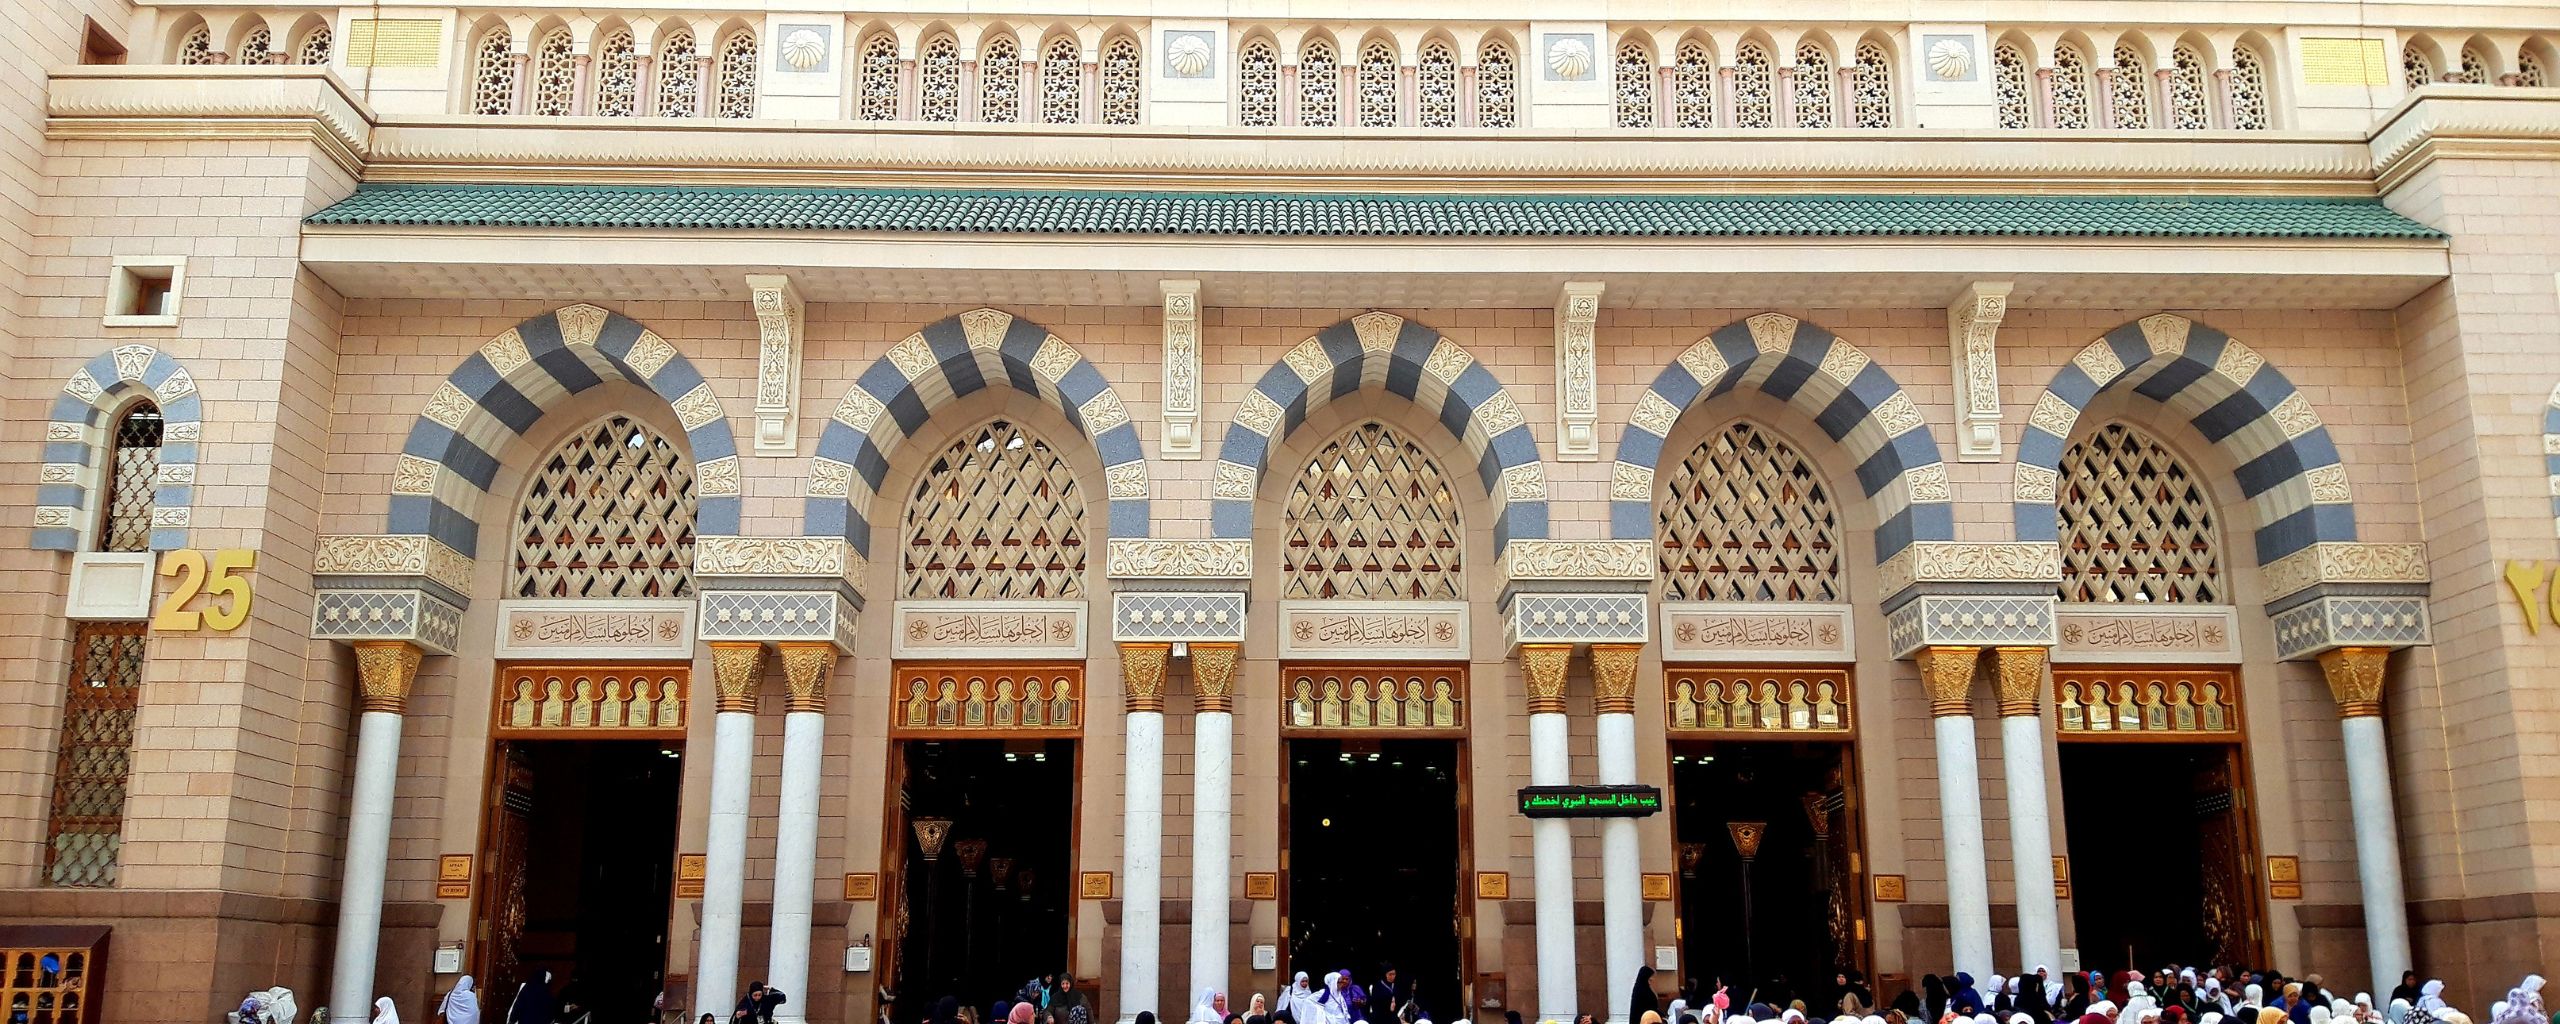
[[634, 630], [1005, 630], [1708, 631], [2180, 633], [1373, 630]]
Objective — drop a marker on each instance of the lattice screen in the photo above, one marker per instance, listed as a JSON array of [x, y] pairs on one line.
[[2131, 106], [937, 79], [998, 514], [1258, 85], [2009, 82], [1372, 516], [2137, 525], [610, 514], [1754, 91], [1435, 81], [133, 480], [1497, 86], [493, 75], [1693, 93], [96, 754], [1746, 519], [679, 76], [1000, 81]]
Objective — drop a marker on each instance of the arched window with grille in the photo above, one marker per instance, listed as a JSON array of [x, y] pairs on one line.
[[1813, 87], [2416, 68], [2188, 72], [256, 46], [1000, 81], [133, 479], [1319, 84], [2130, 102], [493, 74], [1871, 82], [555, 75], [2137, 523], [1755, 103], [609, 513], [679, 75], [1377, 79], [1371, 515], [2070, 98], [1497, 85], [937, 80], [617, 75], [2249, 106], [879, 78], [2009, 82], [1693, 86], [2530, 70], [2475, 67], [1435, 80], [1258, 85], [196, 47], [1061, 81], [314, 50], [1746, 518], [997, 514], [1635, 84], [1123, 74], [737, 94]]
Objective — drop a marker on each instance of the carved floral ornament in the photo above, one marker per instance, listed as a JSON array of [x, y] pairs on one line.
[[2346, 562], [393, 555], [1181, 559], [1579, 560], [1962, 562], [830, 557]]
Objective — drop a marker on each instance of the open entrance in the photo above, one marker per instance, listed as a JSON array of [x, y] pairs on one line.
[[986, 853], [581, 851], [1374, 866], [2176, 885]]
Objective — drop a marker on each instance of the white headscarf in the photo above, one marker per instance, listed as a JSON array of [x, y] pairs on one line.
[[2052, 988], [1335, 1003], [2210, 1018], [383, 1013], [1206, 1010], [2398, 1013], [1993, 987], [2431, 996], [2524, 1003], [2253, 995], [280, 1005], [461, 1006], [2320, 1015], [1295, 1000], [1672, 1015]]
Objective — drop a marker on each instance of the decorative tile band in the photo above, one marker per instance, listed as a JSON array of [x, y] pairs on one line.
[[78, 443], [777, 615], [1578, 618], [389, 614], [1180, 616], [1945, 620], [2323, 623]]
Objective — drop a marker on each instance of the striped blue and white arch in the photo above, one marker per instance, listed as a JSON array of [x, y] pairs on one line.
[[2286, 464], [1389, 352], [1845, 392], [499, 392], [949, 359], [2551, 451], [78, 444]]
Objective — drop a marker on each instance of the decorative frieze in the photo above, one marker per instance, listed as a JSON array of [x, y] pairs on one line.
[[2094, 702], [585, 630], [2121, 633], [2005, 562], [777, 615], [1577, 618], [580, 702], [1983, 620], [1708, 631], [1181, 407], [1578, 372], [1973, 328], [989, 630], [779, 325], [825, 560], [1579, 560], [1181, 559], [1373, 630], [2332, 621], [1779, 702], [1029, 700], [2345, 562], [1325, 699], [405, 614], [394, 555], [1180, 616]]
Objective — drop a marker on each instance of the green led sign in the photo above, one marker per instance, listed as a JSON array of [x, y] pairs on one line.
[[1590, 801]]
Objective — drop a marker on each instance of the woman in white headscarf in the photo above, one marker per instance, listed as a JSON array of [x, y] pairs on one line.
[[2431, 996], [383, 1013], [2524, 1003], [1297, 1000], [2399, 1012], [1333, 1005], [1206, 1010], [461, 1006]]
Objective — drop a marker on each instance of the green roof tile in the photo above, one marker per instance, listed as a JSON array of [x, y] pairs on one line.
[[950, 211]]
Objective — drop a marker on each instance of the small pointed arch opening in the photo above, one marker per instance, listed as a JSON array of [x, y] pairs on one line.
[[1371, 515], [1258, 82], [1635, 78], [1497, 82], [1435, 83], [1745, 517], [876, 71], [1121, 75], [679, 60], [1376, 78], [1815, 85], [997, 513], [2013, 82], [2252, 87], [133, 478], [2137, 523], [493, 71], [1693, 83], [2129, 92], [1871, 83], [1319, 82]]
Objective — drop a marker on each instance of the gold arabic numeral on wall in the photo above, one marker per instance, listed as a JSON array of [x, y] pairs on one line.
[[220, 578]]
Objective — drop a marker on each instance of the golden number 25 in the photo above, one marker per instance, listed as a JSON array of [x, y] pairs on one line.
[[219, 579]]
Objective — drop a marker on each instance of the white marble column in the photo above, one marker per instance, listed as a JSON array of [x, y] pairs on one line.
[[1142, 830], [736, 669], [1551, 842], [2022, 685], [384, 671], [2355, 679], [805, 666], [1213, 674], [1948, 673], [1613, 680]]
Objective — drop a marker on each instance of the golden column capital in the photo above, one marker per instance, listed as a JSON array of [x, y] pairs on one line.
[[1142, 677], [1544, 665], [2021, 680], [736, 666], [805, 667], [1213, 677], [1947, 673], [2355, 679], [385, 669], [1613, 678]]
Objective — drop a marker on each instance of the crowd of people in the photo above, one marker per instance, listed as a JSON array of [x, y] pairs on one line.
[[1339, 999], [2173, 995]]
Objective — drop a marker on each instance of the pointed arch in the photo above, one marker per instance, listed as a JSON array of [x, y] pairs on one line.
[[499, 392], [78, 444], [1497, 81], [1846, 393], [1404, 358], [2281, 453], [948, 359]]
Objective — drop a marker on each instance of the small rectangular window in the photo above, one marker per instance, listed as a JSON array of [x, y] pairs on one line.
[[143, 291]]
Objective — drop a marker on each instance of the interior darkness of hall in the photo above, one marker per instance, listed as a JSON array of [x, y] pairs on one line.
[[979, 938], [2142, 819], [599, 870], [1803, 902], [1373, 865]]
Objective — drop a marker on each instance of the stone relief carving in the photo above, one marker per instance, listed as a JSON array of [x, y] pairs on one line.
[[1578, 560], [779, 316], [1181, 409], [1973, 326], [776, 556], [2346, 562], [1578, 372], [1181, 559], [1956, 561]]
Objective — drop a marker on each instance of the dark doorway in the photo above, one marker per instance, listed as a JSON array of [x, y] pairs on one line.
[[1374, 868], [2166, 883], [990, 911], [1804, 900], [583, 840]]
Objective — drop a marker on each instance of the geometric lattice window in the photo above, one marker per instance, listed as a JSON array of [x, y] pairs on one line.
[[1061, 82], [1319, 85], [2529, 70], [2070, 100], [315, 48], [1372, 516], [1872, 77], [2137, 525], [1813, 80], [1435, 81], [2132, 97], [609, 514], [2186, 89], [2415, 68], [133, 473], [617, 75], [555, 75], [997, 515], [1258, 88], [96, 754], [1000, 81], [1754, 97], [1635, 82], [1497, 86], [1693, 81], [2475, 68], [255, 47], [738, 75], [879, 78], [1123, 81], [937, 80], [493, 75], [1744, 518], [1378, 107], [2009, 82], [2248, 90], [679, 76], [197, 47]]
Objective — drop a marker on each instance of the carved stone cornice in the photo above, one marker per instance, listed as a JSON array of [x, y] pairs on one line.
[[1947, 674], [1542, 670], [1613, 678], [736, 668], [779, 322], [1213, 677], [389, 555], [2392, 568], [2438, 121], [1593, 561], [1181, 559], [2355, 676], [1142, 677], [2005, 562], [129, 102], [1578, 372], [385, 670], [805, 668], [2021, 679], [829, 561], [1973, 329]]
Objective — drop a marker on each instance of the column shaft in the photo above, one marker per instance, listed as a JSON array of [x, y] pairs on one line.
[[1213, 668], [795, 860], [1613, 672], [1551, 842], [1142, 827], [2022, 683], [1948, 673], [384, 672], [2355, 676], [736, 667]]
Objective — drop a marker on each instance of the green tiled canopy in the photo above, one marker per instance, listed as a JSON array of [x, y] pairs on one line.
[[1323, 215]]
